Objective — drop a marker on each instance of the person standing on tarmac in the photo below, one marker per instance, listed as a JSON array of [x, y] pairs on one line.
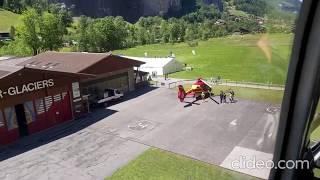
[[203, 96], [232, 96], [221, 97]]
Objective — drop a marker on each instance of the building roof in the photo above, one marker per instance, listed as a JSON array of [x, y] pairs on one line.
[[9, 70], [6, 70], [8, 65], [5, 57], [12, 61], [73, 62], [152, 62]]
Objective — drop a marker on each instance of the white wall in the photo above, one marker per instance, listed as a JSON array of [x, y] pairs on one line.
[[160, 68], [172, 66], [151, 69]]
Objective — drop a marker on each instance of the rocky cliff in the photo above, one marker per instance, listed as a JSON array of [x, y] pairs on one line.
[[132, 10]]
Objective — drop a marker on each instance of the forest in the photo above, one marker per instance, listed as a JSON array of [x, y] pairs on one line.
[[52, 26]]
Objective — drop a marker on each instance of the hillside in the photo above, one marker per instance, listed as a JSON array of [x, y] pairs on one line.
[[8, 19], [134, 9], [233, 57]]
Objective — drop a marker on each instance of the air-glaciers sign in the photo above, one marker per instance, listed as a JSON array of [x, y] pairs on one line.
[[26, 88]]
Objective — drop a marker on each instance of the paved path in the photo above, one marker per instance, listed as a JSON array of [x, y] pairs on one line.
[[98, 145], [87, 154]]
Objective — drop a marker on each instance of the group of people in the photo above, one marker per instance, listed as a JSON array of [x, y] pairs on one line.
[[223, 96]]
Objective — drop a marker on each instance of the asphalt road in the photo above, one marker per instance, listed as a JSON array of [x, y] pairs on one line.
[[96, 146]]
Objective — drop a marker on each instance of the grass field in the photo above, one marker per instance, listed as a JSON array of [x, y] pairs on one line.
[[315, 136], [161, 165], [8, 19], [259, 95], [233, 57]]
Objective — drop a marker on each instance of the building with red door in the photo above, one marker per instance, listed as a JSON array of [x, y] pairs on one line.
[[51, 88]]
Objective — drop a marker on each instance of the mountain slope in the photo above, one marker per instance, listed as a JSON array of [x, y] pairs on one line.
[[132, 10], [8, 19]]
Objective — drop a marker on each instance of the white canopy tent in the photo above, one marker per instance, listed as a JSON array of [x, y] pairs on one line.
[[158, 66]]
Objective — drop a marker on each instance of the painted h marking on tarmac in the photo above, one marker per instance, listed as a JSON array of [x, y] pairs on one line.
[[234, 122]]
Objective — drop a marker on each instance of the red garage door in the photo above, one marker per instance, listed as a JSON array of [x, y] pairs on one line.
[[50, 111], [39, 114], [61, 107], [9, 132], [9, 127]]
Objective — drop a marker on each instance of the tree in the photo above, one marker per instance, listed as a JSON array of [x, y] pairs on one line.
[[51, 31], [107, 34], [208, 12], [121, 33], [61, 11], [142, 36], [12, 32], [191, 33], [188, 6], [19, 6], [83, 39], [39, 5], [13, 5], [177, 31], [17, 48], [29, 30], [165, 32], [256, 7], [132, 36], [41, 31], [206, 30]]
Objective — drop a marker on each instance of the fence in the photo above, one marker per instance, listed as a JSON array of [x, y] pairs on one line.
[[176, 84], [250, 84], [224, 82]]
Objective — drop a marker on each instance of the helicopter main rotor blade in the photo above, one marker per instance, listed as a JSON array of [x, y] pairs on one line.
[[214, 100]]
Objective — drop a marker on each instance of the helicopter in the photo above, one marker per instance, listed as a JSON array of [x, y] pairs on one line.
[[199, 90]]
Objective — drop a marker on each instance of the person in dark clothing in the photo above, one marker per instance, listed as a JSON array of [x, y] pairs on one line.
[[224, 97], [221, 97], [232, 95]]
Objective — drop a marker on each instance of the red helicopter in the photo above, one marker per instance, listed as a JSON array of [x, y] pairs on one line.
[[199, 90]]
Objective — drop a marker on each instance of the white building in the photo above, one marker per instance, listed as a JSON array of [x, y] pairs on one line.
[[158, 66]]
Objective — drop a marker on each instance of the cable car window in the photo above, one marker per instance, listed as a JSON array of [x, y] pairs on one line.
[[215, 74]]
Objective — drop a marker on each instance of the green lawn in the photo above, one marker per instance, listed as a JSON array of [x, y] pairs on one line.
[[8, 19], [259, 95], [315, 135], [233, 57], [161, 165], [238, 13], [262, 95]]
